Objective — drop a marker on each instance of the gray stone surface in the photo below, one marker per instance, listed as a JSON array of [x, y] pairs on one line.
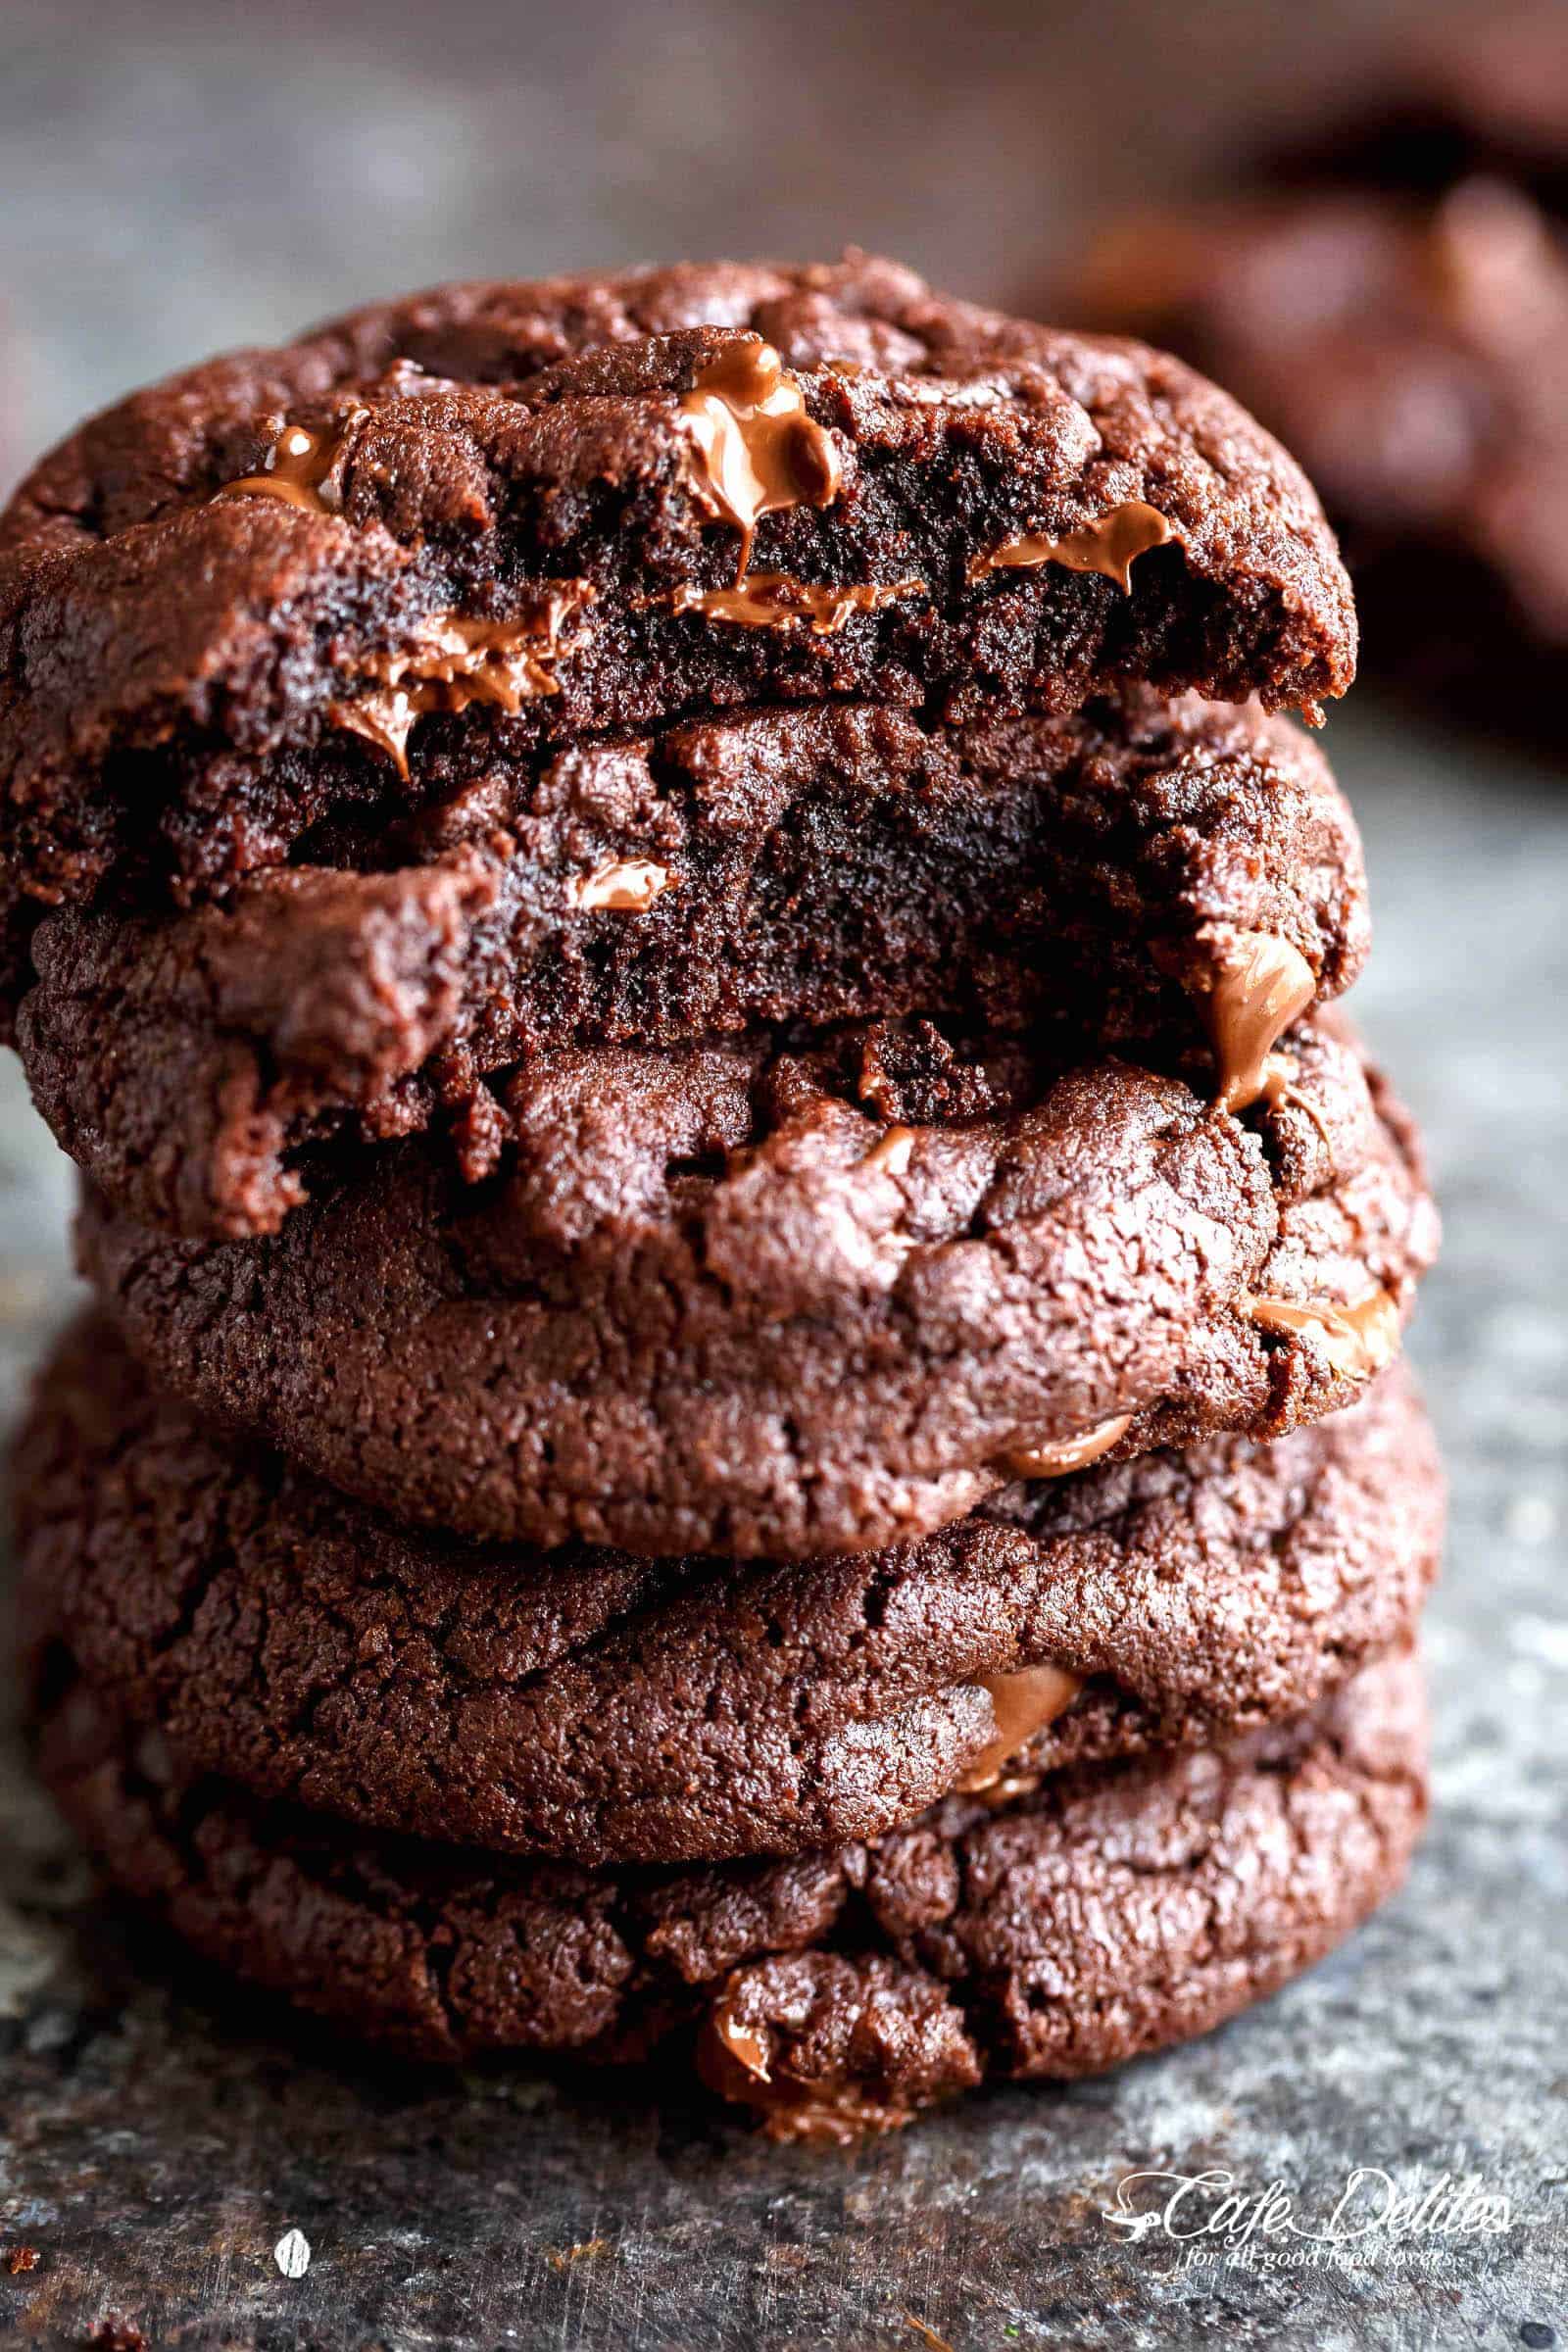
[[173, 178]]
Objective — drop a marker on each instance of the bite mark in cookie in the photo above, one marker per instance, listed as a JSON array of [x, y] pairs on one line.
[[1072, 876], [165, 614]]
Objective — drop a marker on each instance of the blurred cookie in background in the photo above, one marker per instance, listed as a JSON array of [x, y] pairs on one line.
[[1414, 355], [1467, 94], [1392, 301], [16, 358]]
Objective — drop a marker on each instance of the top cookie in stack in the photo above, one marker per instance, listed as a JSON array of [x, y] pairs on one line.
[[678, 913], [241, 606]]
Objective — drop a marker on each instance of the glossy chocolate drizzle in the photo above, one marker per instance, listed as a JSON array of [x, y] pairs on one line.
[[756, 449], [1111, 544]]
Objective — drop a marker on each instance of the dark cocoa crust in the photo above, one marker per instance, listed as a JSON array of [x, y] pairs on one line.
[[1119, 1908], [729, 1304], [829, 863], [611, 1709], [147, 727]]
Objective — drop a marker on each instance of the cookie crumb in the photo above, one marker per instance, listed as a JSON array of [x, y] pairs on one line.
[[562, 2258], [292, 2253]]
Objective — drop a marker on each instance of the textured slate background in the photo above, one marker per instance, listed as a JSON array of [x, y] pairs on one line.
[[172, 178]]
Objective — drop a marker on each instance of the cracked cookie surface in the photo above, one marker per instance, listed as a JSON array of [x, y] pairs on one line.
[[753, 1302], [588, 1703]]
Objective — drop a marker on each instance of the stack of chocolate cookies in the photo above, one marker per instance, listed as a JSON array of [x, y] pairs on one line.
[[741, 1397]]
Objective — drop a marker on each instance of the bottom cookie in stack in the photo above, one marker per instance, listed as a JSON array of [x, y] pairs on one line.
[[1159, 1726], [1108, 1911]]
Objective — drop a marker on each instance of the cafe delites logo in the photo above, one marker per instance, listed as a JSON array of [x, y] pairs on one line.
[[1370, 2217]]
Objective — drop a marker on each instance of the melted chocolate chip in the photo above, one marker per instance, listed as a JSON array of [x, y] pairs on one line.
[[755, 448], [1112, 544]]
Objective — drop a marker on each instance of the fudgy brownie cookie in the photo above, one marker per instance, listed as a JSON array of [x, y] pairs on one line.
[[1414, 355], [740, 1303], [360, 569], [1129, 873], [1113, 1909], [612, 1709]]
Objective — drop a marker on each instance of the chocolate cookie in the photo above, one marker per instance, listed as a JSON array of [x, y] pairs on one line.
[[733, 1302], [1113, 1909], [1102, 872], [1469, 93], [352, 573], [612, 1709], [1414, 355]]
